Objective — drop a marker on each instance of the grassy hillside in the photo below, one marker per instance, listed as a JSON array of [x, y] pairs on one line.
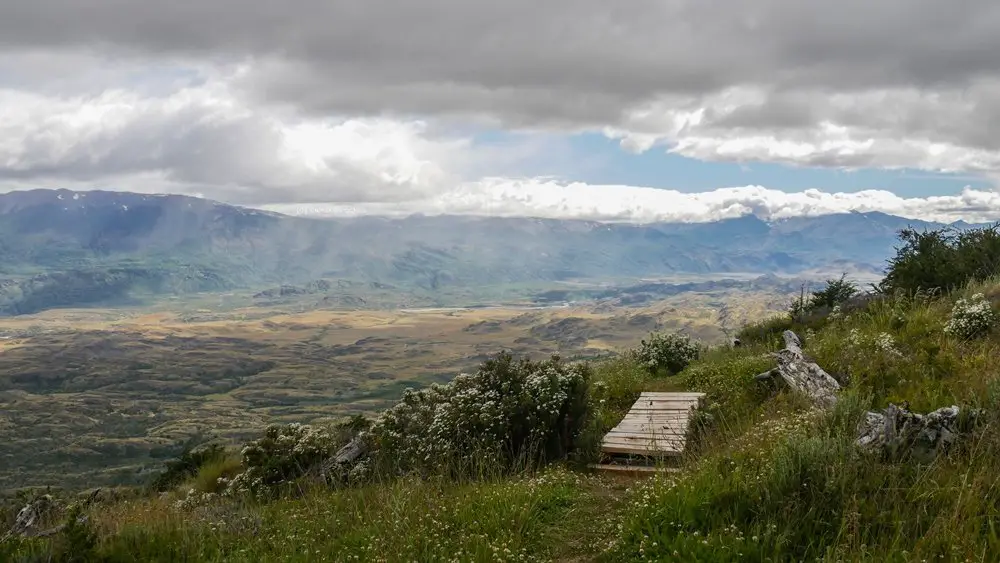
[[769, 477]]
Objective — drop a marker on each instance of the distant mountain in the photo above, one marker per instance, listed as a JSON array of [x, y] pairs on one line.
[[64, 248]]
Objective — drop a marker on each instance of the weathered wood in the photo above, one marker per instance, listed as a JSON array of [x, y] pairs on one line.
[[641, 450], [30, 516], [634, 437], [670, 395], [655, 426], [800, 374], [897, 430], [633, 469], [652, 428], [345, 457], [351, 451]]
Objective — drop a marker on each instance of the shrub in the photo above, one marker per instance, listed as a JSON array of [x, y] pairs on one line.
[[186, 466], [669, 353], [971, 318], [942, 260], [213, 476], [836, 293], [284, 453], [508, 411]]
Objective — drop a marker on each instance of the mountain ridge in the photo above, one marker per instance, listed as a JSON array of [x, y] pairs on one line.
[[61, 247]]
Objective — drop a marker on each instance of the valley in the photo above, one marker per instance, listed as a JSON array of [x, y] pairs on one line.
[[105, 395], [132, 325]]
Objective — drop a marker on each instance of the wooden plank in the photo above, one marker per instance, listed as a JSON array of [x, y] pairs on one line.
[[640, 448], [692, 400], [658, 408], [643, 399], [665, 403], [633, 469], [633, 450], [650, 428], [662, 413], [681, 423], [643, 439], [667, 425], [687, 400], [654, 416], [669, 447], [656, 425], [654, 420]]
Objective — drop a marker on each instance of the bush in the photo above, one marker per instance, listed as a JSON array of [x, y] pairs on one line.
[[186, 466], [669, 353], [507, 412], [213, 476], [971, 318], [836, 293], [942, 260], [284, 453]]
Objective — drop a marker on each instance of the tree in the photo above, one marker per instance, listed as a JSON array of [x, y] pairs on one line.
[[835, 293], [942, 260]]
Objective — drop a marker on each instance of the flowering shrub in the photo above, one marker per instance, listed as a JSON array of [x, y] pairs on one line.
[[882, 343], [670, 352], [283, 453], [194, 499], [971, 318], [508, 411]]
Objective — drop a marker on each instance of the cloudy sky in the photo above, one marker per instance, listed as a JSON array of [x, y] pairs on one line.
[[636, 111]]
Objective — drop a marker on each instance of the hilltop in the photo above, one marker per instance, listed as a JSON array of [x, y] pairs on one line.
[[770, 474]]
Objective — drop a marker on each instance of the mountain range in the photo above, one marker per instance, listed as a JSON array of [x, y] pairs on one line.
[[62, 248]]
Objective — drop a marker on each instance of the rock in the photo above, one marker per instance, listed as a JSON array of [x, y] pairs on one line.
[[800, 374], [897, 431]]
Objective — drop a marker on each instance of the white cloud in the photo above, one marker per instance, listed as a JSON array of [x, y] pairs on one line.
[[206, 139], [197, 133], [550, 199], [945, 130]]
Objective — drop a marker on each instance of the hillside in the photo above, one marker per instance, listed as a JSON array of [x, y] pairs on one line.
[[60, 248], [490, 467]]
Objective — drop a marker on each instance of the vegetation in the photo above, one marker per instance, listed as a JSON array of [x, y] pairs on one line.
[[942, 260], [106, 397], [666, 354], [770, 478]]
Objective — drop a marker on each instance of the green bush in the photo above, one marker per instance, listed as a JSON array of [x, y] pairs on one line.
[[667, 353], [510, 411], [186, 466], [942, 260], [836, 293]]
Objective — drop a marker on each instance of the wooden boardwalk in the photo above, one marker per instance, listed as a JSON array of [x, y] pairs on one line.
[[655, 426]]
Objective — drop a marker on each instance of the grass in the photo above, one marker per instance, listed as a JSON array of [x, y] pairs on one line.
[[767, 478]]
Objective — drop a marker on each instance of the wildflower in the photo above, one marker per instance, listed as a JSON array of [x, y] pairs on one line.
[[971, 318]]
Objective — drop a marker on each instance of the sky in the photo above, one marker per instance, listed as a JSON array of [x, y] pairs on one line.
[[646, 110]]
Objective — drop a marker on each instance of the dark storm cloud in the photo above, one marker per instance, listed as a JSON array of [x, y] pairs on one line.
[[528, 60]]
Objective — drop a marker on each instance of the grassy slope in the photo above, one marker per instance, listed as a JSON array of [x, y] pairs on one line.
[[771, 480]]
